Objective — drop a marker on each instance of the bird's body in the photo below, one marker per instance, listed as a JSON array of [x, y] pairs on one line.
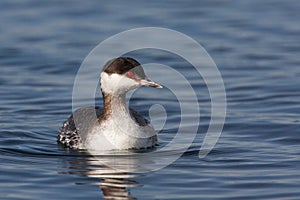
[[115, 126]]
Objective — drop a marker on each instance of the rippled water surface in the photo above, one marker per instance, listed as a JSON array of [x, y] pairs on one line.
[[255, 45]]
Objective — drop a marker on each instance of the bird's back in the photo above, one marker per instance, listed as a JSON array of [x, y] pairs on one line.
[[76, 128]]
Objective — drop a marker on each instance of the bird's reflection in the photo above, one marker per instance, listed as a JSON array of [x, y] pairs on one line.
[[118, 170], [115, 171], [114, 184]]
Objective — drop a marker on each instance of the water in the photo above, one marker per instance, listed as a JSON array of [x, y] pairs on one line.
[[255, 45]]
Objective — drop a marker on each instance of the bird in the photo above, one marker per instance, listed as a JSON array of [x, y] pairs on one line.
[[115, 126]]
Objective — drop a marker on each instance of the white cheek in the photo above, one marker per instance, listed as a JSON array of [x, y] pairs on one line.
[[116, 84]]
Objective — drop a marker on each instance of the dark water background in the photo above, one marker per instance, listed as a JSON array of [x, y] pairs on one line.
[[255, 45]]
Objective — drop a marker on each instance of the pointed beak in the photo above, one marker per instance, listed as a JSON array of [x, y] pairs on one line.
[[148, 82]]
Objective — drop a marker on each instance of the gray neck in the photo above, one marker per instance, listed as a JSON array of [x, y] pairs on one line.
[[114, 104]]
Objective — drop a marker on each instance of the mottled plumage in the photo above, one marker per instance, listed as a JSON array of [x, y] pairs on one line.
[[115, 126], [69, 135]]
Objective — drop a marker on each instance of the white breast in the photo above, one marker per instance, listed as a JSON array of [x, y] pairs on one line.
[[121, 132]]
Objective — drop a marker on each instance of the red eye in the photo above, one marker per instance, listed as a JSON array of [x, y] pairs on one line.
[[130, 74]]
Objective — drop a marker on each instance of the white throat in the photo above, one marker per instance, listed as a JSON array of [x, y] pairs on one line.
[[116, 84]]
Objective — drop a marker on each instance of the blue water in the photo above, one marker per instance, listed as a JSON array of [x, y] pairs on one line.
[[255, 45]]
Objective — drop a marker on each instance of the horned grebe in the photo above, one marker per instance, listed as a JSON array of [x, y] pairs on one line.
[[115, 126]]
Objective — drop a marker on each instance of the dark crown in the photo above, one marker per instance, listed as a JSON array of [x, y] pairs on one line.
[[120, 65]]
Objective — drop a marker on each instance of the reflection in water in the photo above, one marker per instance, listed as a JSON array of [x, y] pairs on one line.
[[116, 188], [114, 183], [115, 169]]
